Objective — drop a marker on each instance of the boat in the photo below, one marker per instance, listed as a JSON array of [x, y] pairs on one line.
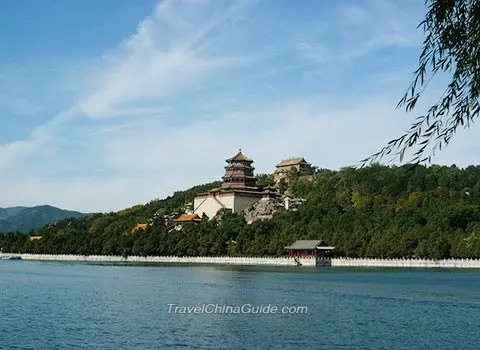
[[10, 257]]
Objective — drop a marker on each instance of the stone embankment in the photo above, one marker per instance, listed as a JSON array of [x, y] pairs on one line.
[[266, 261]]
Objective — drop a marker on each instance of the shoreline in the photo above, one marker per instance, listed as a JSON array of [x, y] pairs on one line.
[[260, 261]]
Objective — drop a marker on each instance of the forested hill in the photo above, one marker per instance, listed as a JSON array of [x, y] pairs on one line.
[[25, 219], [376, 211]]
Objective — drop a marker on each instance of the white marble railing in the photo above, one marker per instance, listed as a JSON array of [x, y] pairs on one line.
[[416, 263], [275, 261], [272, 261]]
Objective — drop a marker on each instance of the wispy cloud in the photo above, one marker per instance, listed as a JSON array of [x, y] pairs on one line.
[[14, 153], [166, 54]]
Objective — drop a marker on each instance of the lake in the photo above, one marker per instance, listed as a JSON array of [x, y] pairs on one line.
[[54, 305]]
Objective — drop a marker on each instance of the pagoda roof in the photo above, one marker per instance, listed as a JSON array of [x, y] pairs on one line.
[[292, 161], [239, 156]]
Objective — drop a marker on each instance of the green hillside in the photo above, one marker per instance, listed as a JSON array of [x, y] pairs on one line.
[[24, 219], [376, 211]]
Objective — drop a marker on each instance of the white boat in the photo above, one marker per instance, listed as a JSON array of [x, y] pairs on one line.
[[9, 257]]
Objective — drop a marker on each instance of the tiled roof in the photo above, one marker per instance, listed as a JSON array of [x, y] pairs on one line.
[[34, 238], [188, 218], [240, 156], [301, 244], [293, 161], [139, 227]]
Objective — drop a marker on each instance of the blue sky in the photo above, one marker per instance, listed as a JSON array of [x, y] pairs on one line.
[[107, 104]]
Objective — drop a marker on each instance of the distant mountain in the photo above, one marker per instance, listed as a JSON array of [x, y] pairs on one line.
[[26, 218]]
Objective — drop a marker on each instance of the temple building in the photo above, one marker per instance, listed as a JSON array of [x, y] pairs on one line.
[[238, 191], [285, 167]]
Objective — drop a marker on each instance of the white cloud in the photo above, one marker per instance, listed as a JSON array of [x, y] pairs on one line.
[[184, 92], [146, 159]]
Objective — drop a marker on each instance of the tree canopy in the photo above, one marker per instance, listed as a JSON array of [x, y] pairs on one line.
[[451, 46], [376, 211]]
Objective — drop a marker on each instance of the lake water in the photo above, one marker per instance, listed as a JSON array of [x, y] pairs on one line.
[[49, 305]]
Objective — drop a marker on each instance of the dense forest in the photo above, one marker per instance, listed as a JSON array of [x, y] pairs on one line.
[[376, 211]]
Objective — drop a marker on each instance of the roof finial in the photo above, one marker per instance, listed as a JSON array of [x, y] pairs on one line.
[[239, 150]]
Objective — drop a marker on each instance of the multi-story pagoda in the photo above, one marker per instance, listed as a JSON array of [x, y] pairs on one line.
[[238, 191], [239, 172]]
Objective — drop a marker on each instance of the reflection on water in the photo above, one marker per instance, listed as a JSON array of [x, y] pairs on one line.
[[71, 305]]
